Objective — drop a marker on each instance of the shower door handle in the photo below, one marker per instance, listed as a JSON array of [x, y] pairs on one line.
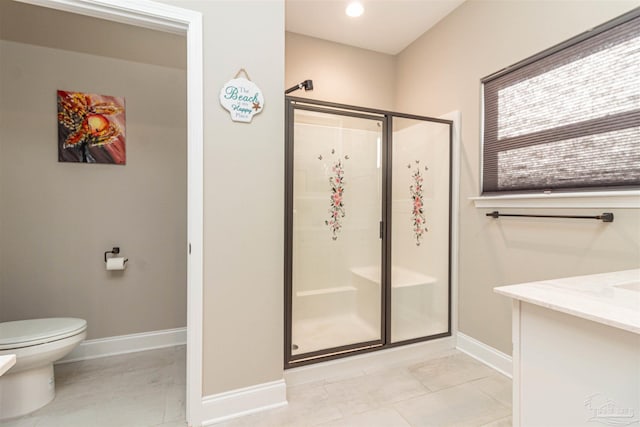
[[381, 230]]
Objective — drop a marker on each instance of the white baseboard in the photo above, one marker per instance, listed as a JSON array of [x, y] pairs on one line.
[[221, 407], [102, 347], [368, 362], [485, 354]]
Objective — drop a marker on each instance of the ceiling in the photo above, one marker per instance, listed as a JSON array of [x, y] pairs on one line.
[[387, 26]]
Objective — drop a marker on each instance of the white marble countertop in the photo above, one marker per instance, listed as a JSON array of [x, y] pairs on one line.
[[6, 362], [609, 298]]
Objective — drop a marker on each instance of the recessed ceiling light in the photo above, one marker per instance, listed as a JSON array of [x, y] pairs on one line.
[[354, 9]]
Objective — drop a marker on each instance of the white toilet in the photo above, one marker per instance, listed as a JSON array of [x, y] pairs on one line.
[[37, 343]]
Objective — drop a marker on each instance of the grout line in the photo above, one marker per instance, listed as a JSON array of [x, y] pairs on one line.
[[487, 394], [402, 416]]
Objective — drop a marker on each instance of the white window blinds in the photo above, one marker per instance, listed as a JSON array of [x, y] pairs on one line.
[[567, 119]]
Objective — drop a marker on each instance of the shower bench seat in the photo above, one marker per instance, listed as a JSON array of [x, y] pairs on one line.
[[400, 277], [325, 291]]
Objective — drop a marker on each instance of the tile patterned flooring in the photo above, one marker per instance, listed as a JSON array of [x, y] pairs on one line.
[[139, 389], [147, 389], [451, 389]]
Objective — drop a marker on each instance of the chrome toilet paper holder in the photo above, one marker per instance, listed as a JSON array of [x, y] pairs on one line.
[[113, 251]]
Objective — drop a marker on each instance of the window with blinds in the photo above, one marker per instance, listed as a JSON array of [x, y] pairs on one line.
[[567, 119]]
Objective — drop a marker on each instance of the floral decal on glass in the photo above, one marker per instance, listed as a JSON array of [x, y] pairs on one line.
[[417, 199], [336, 204]]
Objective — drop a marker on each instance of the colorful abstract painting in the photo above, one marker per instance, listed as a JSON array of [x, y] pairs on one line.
[[91, 128]]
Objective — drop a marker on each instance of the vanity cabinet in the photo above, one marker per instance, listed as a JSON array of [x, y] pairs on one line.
[[576, 350]]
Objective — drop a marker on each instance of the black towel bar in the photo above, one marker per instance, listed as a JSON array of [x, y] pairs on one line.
[[605, 217]]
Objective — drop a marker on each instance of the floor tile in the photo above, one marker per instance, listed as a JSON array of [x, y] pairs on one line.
[[410, 361], [396, 398], [139, 389], [174, 403], [461, 405], [449, 371], [172, 424], [367, 392], [497, 386], [20, 422], [308, 406], [502, 422], [384, 417], [147, 389]]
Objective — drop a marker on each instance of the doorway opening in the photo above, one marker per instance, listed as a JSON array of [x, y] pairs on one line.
[[171, 19]]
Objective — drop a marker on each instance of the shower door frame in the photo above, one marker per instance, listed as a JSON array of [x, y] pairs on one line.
[[386, 117]]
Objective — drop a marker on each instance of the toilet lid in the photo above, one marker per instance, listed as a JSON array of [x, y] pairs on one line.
[[25, 333]]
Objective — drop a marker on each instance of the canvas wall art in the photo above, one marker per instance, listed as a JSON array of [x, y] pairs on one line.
[[91, 128]]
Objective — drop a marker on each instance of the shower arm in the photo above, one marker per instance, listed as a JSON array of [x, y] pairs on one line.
[[306, 85]]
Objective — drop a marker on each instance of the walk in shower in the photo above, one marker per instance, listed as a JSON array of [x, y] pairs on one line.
[[368, 206]]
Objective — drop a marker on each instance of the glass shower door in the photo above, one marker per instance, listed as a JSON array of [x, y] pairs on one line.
[[336, 211], [420, 208]]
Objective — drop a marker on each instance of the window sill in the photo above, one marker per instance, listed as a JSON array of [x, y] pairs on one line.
[[600, 199]]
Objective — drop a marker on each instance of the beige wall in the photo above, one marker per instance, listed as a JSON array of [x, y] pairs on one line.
[[243, 197], [57, 219], [340, 73], [441, 72]]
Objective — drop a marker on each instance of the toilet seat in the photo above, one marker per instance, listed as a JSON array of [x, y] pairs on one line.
[[27, 333]]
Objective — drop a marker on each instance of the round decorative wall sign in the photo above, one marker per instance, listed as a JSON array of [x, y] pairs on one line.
[[242, 98]]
